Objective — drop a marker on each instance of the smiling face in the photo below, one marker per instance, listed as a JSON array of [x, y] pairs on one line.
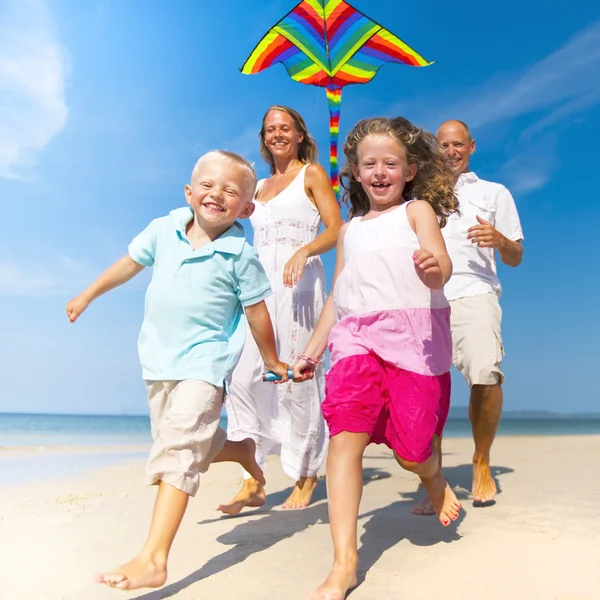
[[280, 135], [383, 170], [220, 192], [457, 144]]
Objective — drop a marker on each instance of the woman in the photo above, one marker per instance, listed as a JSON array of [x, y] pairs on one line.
[[291, 205]]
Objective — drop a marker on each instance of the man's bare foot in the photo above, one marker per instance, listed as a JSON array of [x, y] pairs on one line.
[[252, 494], [423, 507], [301, 494], [136, 574], [443, 499], [340, 579], [484, 486]]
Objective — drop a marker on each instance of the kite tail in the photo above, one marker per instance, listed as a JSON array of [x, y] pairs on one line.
[[334, 99]]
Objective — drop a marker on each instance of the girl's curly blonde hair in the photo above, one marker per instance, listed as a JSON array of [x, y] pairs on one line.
[[433, 182]]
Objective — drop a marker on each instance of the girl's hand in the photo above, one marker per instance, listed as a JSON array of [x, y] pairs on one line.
[[279, 368], [292, 273], [303, 371], [428, 269], [76, 306]]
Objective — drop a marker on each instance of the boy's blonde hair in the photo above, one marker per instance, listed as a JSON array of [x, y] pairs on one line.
[[236, 159]]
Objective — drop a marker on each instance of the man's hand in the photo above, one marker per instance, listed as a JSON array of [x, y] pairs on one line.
[[485, 235]]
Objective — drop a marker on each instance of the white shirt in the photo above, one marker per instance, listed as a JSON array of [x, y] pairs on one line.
[[474, 269]]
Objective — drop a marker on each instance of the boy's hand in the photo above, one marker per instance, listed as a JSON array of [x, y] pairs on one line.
[[428, 269], [76, 306], [303, 371], [279, 368]]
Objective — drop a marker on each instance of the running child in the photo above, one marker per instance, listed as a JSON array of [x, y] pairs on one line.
[[387, 325], [191, 339]]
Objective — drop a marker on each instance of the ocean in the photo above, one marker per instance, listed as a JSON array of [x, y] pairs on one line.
[[39, 446]]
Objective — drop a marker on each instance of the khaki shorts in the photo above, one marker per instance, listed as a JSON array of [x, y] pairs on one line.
[[185, 427], [477, 338]]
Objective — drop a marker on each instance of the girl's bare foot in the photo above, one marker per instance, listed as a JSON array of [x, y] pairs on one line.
[[341, 579], [252, 494], [484, 486], [301, 494], [138, 573], [445, 502]]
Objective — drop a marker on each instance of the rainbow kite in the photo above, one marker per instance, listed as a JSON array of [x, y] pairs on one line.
[[330, 44]]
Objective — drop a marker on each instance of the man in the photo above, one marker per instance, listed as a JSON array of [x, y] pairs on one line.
[[488, 222]]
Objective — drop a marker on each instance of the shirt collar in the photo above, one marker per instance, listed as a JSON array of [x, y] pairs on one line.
[[230, 242], [464, 178]]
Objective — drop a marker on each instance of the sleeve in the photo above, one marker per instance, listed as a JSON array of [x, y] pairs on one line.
[[507, 217], [253, 283], [142, 248]]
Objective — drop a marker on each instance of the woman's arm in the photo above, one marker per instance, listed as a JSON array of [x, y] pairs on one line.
[[317, 344], [319, 190]]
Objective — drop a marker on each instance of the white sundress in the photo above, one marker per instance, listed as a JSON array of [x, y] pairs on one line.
[[284, 419]]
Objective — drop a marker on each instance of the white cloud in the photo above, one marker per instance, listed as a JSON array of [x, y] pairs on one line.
[[552, 91], [33, 70], [566, 80]]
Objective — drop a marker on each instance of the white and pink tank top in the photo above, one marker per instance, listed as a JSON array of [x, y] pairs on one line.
[[381, 305]]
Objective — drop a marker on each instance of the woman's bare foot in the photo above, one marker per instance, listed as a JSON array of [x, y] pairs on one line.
[[139, 573], [340, 579], [252, 494], [443, 499], [423, 507], [301, 494], [484, 486]]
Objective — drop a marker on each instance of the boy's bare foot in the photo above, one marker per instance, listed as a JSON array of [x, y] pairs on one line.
[[340, 579], [484, 486], [138, 573], [445, 502], [301, 494], [423, 507], [252, 494], [248, 460]]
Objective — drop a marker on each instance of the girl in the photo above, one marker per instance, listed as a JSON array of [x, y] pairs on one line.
[[388, 326]]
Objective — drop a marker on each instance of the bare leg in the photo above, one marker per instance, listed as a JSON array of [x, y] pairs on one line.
[[425, 506], [485, 410], [149, 567], [301, 494], [243, 453], [444, 501], [344, 491]]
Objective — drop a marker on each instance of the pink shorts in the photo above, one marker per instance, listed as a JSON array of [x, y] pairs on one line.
[[398, 408]]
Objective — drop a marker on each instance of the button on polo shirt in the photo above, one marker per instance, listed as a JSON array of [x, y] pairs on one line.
[[193, 320]]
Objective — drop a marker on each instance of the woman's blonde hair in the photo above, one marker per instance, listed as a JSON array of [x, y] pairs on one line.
[[433, 181], [307, 149]]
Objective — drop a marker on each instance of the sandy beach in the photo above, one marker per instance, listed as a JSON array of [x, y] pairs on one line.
[[540, 541]]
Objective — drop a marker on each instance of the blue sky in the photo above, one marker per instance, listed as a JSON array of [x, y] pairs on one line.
[[105, 106]]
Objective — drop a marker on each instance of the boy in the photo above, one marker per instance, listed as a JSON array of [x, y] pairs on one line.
[[191, 339]]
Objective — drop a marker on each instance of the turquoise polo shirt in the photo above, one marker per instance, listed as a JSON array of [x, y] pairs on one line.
[[194, 326]]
